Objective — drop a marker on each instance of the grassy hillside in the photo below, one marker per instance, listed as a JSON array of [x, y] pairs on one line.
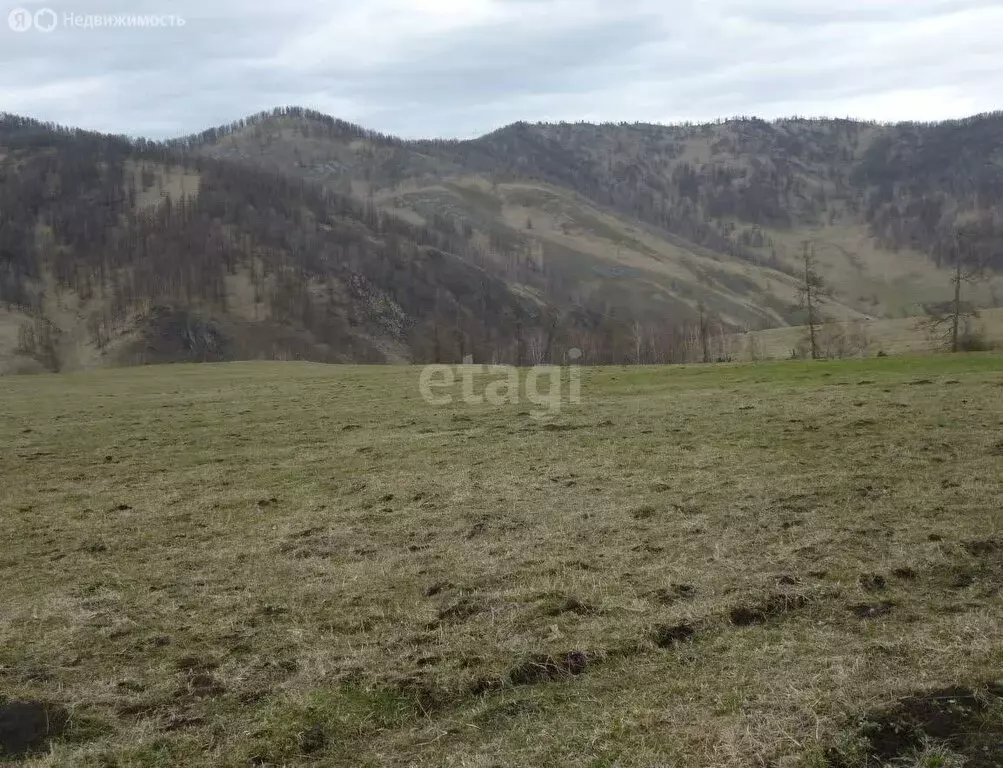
[[905, 336], [294, 564], [885, 203], [607, 260], [292, 235]]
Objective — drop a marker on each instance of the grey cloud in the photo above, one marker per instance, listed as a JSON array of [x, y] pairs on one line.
[[466, 68], [784, 13]]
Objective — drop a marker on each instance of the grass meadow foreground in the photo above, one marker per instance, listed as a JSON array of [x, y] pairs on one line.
[[785, 564]]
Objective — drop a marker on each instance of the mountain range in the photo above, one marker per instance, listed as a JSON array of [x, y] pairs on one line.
[[293, 235]]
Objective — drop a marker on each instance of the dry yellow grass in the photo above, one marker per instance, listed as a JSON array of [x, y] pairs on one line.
[[867, 282], [904, 336], [165, 182], [292, 564], [868, 279], [614, 255]]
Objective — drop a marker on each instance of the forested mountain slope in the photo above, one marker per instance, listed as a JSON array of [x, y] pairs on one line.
[[117, 252], [290, 234], [884, 203]]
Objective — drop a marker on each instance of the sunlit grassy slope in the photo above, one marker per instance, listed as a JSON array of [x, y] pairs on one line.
[[292, 564], [866, 338]]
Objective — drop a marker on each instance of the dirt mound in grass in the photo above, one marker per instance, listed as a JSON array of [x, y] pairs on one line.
[[541, 668], [28, 726], [967, 722], [776, 605]]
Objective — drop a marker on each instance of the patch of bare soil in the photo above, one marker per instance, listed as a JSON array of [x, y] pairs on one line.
[[775, 605], [539, 668], [984, 547], [669, 636], [966, 721], [542, 668], [872, 582], [983, 568], [29, 726]]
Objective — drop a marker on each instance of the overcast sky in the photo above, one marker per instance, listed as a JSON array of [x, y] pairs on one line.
[[459, 68]]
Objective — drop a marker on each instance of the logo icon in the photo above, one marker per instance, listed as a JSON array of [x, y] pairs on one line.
[[19, 20], [45, 20]]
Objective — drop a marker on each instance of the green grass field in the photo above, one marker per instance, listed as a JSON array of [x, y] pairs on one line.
[[292, 564]]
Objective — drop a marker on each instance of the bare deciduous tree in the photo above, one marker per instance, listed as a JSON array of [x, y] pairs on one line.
[[704, 332], [948, 322], [810, 290]]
